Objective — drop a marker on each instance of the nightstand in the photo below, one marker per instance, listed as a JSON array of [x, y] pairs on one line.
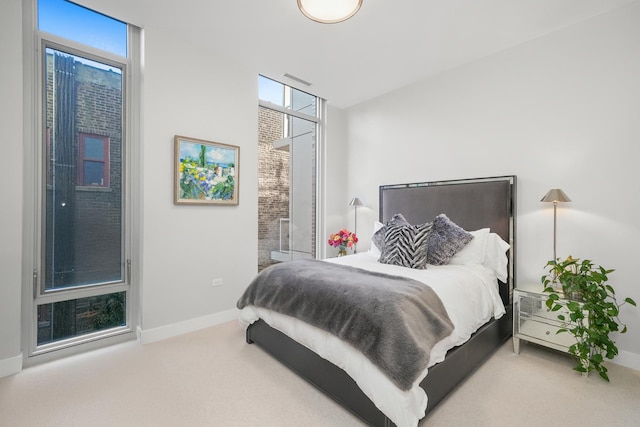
[[534, 322]]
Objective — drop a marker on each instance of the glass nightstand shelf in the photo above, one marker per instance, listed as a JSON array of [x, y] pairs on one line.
[[534, 322]]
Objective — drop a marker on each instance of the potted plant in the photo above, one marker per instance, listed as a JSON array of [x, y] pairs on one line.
[[592, 310]]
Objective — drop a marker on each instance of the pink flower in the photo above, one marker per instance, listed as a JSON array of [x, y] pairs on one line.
[[343, 238]]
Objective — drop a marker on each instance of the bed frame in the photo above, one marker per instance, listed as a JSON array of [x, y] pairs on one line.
[[470, 203]]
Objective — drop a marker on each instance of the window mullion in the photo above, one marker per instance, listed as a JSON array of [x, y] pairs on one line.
[[272, 106]]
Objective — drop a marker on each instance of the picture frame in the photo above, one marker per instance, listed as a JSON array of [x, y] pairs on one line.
[[205, 172]]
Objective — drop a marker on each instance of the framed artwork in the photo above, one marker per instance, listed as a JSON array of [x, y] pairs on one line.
[[206, 172]]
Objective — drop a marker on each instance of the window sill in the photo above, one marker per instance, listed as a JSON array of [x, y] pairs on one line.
[[93, 188]]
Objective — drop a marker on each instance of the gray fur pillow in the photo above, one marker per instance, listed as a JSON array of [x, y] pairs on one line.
[[445, 240], [406, 245]]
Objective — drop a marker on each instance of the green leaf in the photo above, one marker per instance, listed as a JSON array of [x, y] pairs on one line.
[[573, 306], [592, 315]]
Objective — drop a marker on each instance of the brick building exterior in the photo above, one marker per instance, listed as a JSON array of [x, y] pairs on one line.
[[84, 219], [273, 186], [96, 218]]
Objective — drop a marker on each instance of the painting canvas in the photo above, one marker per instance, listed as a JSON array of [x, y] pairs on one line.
[[205, 172]]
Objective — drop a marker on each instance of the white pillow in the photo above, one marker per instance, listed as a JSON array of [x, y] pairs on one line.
[[474, 251], [487, 249], [374, 250], [496, 256]]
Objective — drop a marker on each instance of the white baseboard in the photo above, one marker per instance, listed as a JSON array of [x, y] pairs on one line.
[[10, 366], [628, 359], [163, 332]]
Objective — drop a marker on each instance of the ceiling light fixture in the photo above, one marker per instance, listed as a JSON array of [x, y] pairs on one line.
[[329, 11]]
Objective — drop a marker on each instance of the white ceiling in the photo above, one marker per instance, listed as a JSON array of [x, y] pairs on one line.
[[387, 45]]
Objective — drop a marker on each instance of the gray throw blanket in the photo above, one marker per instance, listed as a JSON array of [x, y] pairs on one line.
[[392, 320]]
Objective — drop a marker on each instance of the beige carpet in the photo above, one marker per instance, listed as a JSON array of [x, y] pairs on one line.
[[212, 378]]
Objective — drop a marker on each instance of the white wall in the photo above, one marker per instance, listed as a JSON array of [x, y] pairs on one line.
[[336, 175], [185, 247], [560, 111], [11, 187]]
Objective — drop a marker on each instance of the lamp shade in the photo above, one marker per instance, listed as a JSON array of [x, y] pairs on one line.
[[555, 195], [329, 11], [355, 202]]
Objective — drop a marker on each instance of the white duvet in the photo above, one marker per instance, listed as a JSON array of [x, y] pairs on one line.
[[470, 295]]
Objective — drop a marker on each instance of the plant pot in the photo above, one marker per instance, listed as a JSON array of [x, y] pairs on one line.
[[574, 296]]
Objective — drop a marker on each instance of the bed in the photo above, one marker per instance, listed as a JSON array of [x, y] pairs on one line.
[[473, 204]]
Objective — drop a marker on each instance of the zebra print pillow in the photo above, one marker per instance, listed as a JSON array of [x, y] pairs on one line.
[[406, 245], [378, 236]]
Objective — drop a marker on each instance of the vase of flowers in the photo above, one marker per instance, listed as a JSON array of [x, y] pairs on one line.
[[342, 240]]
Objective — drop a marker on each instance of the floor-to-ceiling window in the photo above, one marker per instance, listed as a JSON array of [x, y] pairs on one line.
[[289, 123], [81, 276]]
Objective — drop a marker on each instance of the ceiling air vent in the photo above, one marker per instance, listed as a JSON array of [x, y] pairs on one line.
[[299, 80]]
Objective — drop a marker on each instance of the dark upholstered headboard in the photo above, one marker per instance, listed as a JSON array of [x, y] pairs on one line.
[[470, 203]]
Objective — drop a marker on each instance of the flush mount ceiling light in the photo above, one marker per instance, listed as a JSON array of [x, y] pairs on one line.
[[329, 11]]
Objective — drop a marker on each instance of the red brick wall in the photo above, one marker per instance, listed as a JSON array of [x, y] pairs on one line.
[[273, 186]]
